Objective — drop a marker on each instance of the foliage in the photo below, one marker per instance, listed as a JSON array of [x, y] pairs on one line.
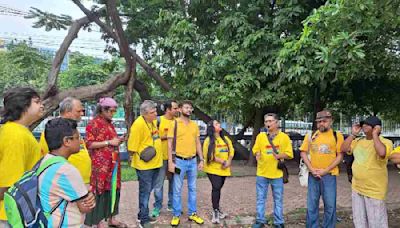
[[22, 64], [349, 51], [220, 54], [48, 20]]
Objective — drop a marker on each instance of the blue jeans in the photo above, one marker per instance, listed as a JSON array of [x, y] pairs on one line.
[[277, 194], [325, 187], [159, 187], [147, 180], [188, 167]]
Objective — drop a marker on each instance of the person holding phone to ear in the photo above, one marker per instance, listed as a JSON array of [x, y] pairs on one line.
[[370, 174], [218, 153]]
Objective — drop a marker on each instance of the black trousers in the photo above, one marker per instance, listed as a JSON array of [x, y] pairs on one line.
[[217, 182]]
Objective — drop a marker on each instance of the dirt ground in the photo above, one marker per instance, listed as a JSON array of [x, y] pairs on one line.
[[239, 198]]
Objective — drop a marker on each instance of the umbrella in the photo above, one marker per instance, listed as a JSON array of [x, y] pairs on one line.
[[114, 177]]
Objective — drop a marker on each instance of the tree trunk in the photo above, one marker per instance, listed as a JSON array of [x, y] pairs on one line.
[[258, 123], [128, 102], [317, 106]]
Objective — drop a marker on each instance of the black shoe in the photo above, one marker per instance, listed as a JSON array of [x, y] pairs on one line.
[[279, 226]]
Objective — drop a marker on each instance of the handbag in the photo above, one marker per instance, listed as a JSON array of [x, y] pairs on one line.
[[281, 163], [149, 152], [303, 170]]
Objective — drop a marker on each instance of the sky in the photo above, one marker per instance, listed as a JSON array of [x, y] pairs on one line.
[[12, 27]]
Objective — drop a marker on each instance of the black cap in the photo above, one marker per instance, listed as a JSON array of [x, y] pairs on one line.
[[371, 121]]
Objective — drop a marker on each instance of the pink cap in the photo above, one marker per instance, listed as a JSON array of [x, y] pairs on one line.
[[108, 102]]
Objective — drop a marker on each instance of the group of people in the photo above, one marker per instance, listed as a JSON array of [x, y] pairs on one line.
[[322, 151], [169, 147], [84, 184]]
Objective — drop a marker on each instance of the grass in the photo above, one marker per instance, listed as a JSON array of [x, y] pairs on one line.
[[129, 174]]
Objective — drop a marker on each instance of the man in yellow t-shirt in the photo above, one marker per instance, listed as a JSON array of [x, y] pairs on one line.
[[370, 175], [143, 138], [71, 108], [171, 110], [267, 168], [182, 160], [323, 147], [19, 150]]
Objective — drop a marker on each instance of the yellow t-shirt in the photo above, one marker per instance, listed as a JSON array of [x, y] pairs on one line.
[[142, 135], [370, 175], [81, 160], [267, 165], [186, 136], [222, 151], [163, 129], [324, 149], [19, 152]]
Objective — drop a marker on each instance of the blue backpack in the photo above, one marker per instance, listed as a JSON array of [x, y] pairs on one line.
[[22, 202]]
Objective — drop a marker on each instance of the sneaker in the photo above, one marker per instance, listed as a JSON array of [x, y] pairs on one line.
[[195, 218], [155, 213], [169, 208], [215, 216], [175, 221], [152, 220], [222, 215]]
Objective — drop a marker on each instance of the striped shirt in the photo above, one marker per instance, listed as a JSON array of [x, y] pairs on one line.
[[62, 181]]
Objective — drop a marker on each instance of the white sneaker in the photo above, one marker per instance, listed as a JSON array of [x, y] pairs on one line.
[[215, 216], [222, 215]]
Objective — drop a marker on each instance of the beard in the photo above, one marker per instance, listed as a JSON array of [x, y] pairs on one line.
[[323, 129]]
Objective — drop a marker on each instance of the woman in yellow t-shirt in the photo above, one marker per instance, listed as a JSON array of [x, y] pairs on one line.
[[218, 153]]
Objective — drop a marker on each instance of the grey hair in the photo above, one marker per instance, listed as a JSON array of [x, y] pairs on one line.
[[146, 106], [274, 115], [67, 104]]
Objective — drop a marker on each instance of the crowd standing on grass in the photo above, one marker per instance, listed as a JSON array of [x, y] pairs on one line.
[[79, 181]]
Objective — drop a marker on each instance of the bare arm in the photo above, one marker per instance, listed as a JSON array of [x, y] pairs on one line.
[[2, 191], [346, 146], [379, 146], [199, 153], [86, 204], [113, 142], [171, 164], [306, 161], [395, 158]]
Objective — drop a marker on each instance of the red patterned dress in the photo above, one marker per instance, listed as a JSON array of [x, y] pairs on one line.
[[101, 129]]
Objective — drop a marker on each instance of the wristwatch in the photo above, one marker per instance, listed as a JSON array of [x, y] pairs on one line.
[[107, 143]]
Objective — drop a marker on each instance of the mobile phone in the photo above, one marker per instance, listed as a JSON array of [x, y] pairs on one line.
[[177, 170]]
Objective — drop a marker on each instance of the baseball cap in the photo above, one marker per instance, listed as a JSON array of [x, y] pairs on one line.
[[324, 114], [371, 121]]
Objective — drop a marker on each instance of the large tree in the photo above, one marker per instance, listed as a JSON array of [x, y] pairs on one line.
[[348, 56]]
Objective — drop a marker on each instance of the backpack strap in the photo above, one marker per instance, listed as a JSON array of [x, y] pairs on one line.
[[174, 140], [43, 166], [158, 122], [49, 162]]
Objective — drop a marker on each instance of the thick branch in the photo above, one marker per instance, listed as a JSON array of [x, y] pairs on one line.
[[82, 93], [59, 57], [121, 40], [109, 31]]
